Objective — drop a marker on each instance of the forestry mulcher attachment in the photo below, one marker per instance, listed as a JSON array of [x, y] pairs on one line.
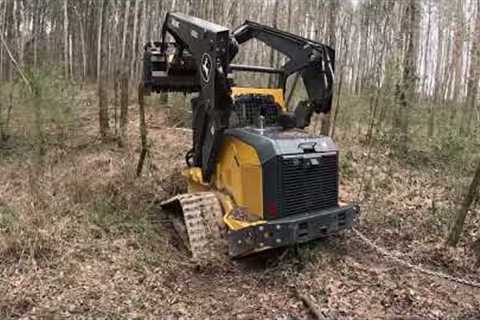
[[256, 179]]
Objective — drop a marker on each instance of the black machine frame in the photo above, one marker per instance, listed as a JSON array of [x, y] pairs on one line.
[[204, 51]]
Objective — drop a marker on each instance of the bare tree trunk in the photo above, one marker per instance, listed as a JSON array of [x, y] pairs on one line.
[[346, 49], [143, 31], [21, 36], [272, 52], [332, 21], [101, 76], [134, 41], [16, 35], [35, 25], [116, 81], [83, 45], [426, 51], [438, 73], [5, 124], [65, 37], [164, 95], [407, 91], [447, 69], [70, 56], [143, 129], [438, 67], [123, 109], [473, 77], [124, 35], [102, 109], [124, 82], [289, 16], [99, 38], [456, 81], [233, 13], [114, 40], [3, 15], [457, 228]]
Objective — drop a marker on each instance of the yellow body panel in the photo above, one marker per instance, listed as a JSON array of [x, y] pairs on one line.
[[239, 173], [235, 224], [229, 206], [195, 180], [238, 177], [196, 184], [277, 93]]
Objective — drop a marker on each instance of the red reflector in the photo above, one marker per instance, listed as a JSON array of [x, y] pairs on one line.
[[272, 209]]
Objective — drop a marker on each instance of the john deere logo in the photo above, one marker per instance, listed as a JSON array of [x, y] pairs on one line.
[[206, 67]]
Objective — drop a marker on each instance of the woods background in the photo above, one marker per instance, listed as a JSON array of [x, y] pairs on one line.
[[397, 54]]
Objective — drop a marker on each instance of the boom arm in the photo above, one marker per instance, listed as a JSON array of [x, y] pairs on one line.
[[211, 48], [201, 61], [315, 61]]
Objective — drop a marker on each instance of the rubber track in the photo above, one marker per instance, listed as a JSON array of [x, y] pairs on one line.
[[203, 215]]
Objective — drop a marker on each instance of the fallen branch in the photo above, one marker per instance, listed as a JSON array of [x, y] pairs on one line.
[[312, 306]]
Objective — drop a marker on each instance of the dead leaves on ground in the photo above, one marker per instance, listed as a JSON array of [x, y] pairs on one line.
[[138, 272]]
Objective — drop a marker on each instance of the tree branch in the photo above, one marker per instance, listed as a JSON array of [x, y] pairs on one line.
[[15, 64], [312, 306]]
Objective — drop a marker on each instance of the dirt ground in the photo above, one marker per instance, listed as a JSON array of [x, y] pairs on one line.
[[82, 238]]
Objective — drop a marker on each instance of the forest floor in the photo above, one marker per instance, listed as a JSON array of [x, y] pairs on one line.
[[81, 237]]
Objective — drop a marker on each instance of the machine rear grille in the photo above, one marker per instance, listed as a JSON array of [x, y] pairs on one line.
[[308, 184]]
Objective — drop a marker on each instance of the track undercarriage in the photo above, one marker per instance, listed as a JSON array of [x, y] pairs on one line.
[[198, 220]]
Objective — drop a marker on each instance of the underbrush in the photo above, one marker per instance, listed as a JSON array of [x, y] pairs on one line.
[[60, 187], [26, 232], [31, 120], [41, 220], [177, 108], [446, 148]]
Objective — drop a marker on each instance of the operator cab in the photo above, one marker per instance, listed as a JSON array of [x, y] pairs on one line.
[[258, 99], [254, 110]]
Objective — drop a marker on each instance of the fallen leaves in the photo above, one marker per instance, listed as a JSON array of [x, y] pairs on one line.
[[136, 271]]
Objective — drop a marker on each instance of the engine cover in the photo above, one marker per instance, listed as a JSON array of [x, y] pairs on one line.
[[299, 170]]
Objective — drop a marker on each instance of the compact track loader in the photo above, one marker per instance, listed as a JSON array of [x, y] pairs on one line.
[[256, 179]]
